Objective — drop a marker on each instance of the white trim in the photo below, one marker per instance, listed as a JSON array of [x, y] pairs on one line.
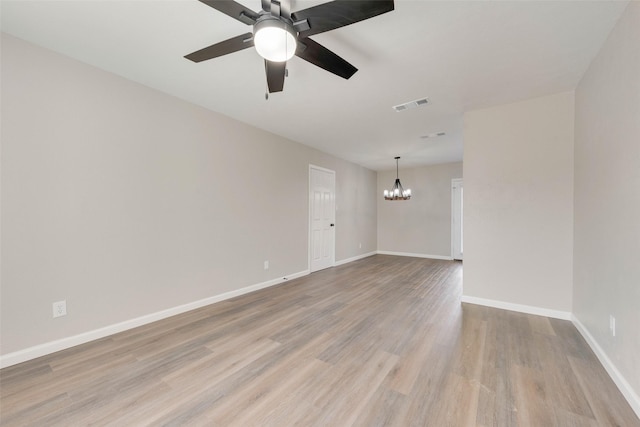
[[309, 217], [333, 257], [312, 166], [624, 386], [528, 309], [446, 258], [454, 181], [355, 258], [20, 356]]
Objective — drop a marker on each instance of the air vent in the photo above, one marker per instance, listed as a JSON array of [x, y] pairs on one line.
[[433, 135], [413, 104]]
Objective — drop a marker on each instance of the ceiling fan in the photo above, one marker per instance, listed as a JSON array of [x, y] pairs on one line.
[[278, 34]]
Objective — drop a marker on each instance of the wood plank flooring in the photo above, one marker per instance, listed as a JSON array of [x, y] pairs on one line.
[[383, 341]]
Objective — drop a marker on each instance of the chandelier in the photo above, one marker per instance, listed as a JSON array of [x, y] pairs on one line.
[[397, 192]]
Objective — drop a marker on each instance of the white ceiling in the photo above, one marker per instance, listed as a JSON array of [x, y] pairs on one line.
[[462, 55]]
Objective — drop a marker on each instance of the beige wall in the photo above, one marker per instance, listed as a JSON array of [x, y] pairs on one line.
[[125, 201], [422, 225], [518, 196], [607, 198]]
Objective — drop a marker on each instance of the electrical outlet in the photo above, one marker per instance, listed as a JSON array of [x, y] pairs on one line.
[[360, 246], [60, 308], [612, 325], [266, 265]]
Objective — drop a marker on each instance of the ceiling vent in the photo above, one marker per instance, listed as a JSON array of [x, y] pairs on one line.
[[433, 135], [412, 104]]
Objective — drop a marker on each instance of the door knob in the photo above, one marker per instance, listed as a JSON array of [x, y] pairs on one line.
[[333, 225]]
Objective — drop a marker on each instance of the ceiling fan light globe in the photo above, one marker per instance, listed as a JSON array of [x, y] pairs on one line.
[[274, 43]]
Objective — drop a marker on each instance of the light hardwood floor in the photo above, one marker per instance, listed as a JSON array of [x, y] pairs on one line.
[[380, 341]]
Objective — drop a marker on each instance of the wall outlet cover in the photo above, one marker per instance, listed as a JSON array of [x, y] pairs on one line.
[[60, 308]]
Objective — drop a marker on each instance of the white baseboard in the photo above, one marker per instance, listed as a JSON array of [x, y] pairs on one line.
[[528, 309], [20, 356], [623, 385], [355, 258], [409, 254]]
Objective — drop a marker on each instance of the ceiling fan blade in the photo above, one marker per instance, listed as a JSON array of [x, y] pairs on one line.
[[233, 9], [275, 75], [336, 14], [228, 46], [319, 55]]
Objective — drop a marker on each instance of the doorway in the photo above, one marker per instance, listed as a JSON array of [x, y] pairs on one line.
[[322, 218], [457, 229]]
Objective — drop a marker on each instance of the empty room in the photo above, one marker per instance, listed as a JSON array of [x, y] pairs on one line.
[[319, 213]]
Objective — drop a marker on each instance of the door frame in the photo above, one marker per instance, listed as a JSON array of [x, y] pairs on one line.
[[454, 182], [333, 255]]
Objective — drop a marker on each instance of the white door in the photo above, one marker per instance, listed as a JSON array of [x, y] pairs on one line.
[[322, 189], [456, 218]]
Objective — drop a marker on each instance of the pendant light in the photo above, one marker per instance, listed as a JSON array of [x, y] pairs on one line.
[[397, 192]]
